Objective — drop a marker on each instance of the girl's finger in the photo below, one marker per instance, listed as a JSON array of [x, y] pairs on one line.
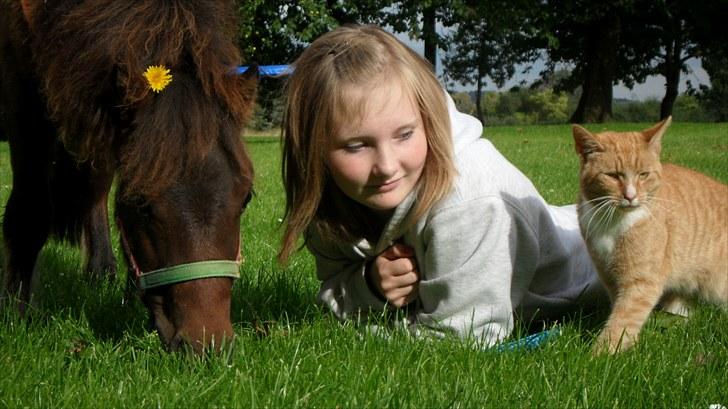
[[398, 250]]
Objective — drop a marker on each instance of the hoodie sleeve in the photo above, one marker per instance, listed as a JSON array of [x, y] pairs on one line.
[[344, 288], [471, 252]]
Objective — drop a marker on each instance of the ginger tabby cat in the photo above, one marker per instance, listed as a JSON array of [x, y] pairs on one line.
[[657, 233]]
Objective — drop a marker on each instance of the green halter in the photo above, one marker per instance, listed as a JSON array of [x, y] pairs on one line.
[[187, 272]]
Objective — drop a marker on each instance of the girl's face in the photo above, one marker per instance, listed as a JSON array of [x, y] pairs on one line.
[[378, 161]]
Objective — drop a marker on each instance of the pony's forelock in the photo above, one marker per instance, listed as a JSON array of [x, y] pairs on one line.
[[102, 102]]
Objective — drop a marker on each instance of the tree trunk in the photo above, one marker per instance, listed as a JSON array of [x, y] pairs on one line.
[[478, 94], [429, 35], [595, 104], [671, 70]]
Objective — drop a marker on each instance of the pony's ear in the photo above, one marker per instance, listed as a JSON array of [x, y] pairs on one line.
[[653, 136], [585, 142], [28, 6]]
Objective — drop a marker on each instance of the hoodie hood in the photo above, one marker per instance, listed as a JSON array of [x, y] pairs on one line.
[[465, 128]]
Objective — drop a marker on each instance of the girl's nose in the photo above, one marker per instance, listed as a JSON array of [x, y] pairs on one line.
[[385, 162]]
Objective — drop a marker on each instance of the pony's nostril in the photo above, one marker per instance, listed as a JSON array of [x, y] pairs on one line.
[[178, 342], [185, 343]]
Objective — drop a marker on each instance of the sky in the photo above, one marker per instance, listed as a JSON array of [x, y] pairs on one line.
[[652, 88]]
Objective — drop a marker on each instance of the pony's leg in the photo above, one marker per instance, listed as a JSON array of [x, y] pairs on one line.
[[27, 219], [96, 234], [23, 121], [80, 192]]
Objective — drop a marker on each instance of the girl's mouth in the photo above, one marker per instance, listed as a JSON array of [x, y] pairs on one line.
[[386, 186]]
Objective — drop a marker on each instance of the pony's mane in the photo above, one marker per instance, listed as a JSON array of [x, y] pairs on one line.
[[91, 56]]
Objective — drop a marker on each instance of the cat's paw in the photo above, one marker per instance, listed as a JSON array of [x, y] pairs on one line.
[[611, 342]]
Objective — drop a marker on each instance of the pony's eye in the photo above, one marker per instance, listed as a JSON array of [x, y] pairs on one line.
[[247, 199]]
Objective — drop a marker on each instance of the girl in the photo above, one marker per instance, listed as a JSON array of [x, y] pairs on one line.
[[402, 203]]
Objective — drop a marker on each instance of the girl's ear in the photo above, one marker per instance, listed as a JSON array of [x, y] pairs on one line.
[[653, 136], [585, 142]]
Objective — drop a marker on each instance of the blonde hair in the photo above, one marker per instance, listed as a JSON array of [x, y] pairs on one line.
[[317, 104]]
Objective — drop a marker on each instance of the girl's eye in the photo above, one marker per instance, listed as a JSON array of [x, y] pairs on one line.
[[406, 135], [354, 147]]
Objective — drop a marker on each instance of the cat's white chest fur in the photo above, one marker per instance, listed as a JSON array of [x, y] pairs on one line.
[[602, 233]]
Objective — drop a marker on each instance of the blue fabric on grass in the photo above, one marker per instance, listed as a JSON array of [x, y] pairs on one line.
[[530, 342]]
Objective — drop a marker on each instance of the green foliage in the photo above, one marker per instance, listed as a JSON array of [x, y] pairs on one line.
[[637, 111], [523, 106], [543, 105], [268, 112], [85, 349], [687, 108], [464, 102], [715, 98]]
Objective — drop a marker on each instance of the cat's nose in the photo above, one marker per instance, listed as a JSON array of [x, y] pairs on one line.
[[630, 192]]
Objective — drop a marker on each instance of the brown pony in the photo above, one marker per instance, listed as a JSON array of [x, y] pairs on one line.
[[78, 112]]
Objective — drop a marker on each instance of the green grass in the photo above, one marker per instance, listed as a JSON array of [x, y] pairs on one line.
[[83, 348]]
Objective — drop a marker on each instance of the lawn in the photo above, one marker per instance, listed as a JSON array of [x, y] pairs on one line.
[[84, 348]]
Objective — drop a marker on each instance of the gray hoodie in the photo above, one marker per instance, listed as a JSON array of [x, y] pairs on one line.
[[490, 250]]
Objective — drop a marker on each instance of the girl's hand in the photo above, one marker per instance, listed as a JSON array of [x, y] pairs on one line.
[[394, 273]]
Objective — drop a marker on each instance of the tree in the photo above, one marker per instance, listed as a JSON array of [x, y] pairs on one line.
[[627, 40], [586, 34], [666, 41], [487, 43], [420, 19], [714, 98], [678, 49], [708, 30], [276, 31]]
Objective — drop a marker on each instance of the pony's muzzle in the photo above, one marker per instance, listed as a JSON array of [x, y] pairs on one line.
[[200, 344]]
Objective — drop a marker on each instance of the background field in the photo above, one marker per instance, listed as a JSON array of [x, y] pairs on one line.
[[85, 349]]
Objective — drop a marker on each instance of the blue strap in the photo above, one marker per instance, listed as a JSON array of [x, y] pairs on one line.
[[267, 70]]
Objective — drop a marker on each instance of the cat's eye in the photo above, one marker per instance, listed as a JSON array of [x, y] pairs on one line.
[[613, 175], [644, 175]]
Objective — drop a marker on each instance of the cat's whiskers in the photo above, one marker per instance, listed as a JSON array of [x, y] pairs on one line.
[[596, 199], [599, 213], [608, 218]]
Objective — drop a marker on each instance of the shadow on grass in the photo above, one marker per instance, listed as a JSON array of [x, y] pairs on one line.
[[65, 290], [586, 321], [273, 296]]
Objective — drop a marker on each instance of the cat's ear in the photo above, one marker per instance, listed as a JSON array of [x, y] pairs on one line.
[[585, 142], [653, 136]]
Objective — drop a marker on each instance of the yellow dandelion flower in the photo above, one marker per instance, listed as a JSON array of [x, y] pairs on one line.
[[158, 77]]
